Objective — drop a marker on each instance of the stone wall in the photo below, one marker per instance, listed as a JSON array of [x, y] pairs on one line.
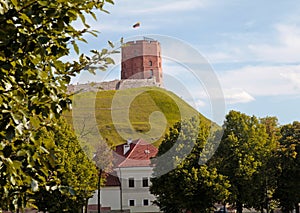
[[135, 83], [113, 85]]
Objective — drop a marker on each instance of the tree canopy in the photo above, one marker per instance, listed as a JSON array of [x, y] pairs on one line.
[[256, 165], [189, 186], [240, 155], [76, 172], [288, 187]]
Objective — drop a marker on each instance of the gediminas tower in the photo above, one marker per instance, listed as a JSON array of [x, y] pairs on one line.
[[142, 60]]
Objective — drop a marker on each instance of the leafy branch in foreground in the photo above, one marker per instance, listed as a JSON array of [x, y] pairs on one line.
[[34, 36]]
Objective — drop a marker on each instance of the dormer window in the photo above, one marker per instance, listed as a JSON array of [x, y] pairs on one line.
[[126, 148]]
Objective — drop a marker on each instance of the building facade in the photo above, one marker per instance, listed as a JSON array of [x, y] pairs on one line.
[[127, 188]]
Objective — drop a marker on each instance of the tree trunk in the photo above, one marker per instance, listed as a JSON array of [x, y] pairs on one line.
[[239, 207], [262, 208], [297, 208], [86, 205], [99, 183]]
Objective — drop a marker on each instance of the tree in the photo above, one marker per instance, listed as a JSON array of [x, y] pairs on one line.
[[265, 179], [34, 36], [240, 156], [103, 158], [288, 189], [189, 187], [94, 145], [77, 173]]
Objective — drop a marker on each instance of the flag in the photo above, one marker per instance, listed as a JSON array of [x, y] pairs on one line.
[[136, 25]]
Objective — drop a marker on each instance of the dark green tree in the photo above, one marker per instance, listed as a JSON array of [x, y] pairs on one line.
[[77, 173], [34, 36], [240, 156], [265, 179], [288, 188], [181, 183]]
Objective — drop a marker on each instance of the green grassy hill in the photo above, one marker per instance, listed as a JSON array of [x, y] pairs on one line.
[[145, 112]]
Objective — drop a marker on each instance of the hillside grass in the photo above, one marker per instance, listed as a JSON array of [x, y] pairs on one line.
[[146, 112]]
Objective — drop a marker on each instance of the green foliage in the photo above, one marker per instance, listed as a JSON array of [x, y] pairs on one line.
[[288, 191], [264, 181], [34, 36], [180, 183], [241, 156], [77, 173]]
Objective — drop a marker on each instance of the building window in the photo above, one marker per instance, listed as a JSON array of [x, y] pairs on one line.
[[131, 202], [145, 202], [150, 63], [131, 182], [145, 182]]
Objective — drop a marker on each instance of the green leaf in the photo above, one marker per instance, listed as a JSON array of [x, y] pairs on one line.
[[104, 51], [111, 44], [94, 16], [26, 18], [15, 3], [110, 1], [75, 46], [94, 33], [109, 60]]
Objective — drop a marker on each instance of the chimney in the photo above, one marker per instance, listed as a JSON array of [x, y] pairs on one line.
[[129, 141]]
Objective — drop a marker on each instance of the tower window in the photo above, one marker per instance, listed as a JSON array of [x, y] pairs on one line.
[[150, 63], [151, 73]]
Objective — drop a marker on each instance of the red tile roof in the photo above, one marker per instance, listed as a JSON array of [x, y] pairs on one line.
[[112, 179], [138, 155]]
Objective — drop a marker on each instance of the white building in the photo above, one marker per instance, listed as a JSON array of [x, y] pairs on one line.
[[127, 188]]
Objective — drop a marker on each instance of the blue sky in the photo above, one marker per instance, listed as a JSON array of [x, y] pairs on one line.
[[253, 48]]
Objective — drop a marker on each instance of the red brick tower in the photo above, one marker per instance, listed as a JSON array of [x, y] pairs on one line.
[[142, 60]]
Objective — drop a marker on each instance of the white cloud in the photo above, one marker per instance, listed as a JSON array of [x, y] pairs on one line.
[[280, 45], [237, 95], [263, 80], [286, 50], [293, 77]]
